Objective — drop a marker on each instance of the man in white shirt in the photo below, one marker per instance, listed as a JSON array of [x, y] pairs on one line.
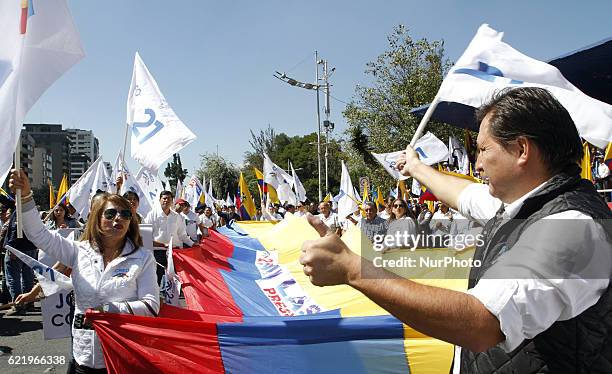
[[166, 224], [329, 218], [191, 219], [539, 299]]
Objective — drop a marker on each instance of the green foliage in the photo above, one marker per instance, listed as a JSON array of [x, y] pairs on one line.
[[302, 152], [222, 173], [175, 172], [405, 76]]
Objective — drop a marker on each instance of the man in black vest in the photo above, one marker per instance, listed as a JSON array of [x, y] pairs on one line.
[[541, 300]]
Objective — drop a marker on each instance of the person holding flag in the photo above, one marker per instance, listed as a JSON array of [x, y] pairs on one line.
[[539, 287], [110, 270], [167, 225]]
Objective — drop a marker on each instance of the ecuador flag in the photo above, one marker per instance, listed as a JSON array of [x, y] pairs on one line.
[[247, 206]]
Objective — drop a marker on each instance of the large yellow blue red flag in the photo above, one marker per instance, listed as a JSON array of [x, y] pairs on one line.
[[247, 208]]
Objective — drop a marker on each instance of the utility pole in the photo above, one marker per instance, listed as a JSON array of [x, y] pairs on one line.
[[329, 126], [318, 123]]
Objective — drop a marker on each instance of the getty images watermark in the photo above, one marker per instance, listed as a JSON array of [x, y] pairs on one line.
[[431, 258]]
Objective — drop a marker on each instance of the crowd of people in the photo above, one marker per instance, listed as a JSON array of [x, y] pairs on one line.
[[113, 271]]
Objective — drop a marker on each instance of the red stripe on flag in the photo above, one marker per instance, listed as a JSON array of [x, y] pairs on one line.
[[203, 284], [24, 20], [135, 344]]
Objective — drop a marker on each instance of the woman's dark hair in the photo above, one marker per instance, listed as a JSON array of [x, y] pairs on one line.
[[131, 194], [535, 114], [66, 212]]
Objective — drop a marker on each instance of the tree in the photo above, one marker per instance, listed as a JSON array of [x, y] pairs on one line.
[[175, 172], [407, 75], [301, 150], [223, 174]]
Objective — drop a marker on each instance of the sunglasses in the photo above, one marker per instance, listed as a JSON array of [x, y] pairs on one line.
[[399, 206], [112, 213]]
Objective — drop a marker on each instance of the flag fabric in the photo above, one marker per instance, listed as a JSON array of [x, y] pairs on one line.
[[403, 191], [585, 165], [247, 206], [429, 148], [61, 191], [416, 187], [300, 191], [348, 202], [170, 289], [210, 198], [82, 190], [36, 48], [458, 155], [488, 65], [202, 199], [51, 196], [179, 189], [228, 200], [130, 183], [251, 309], [380, 200], [193, 191], [50, 280], [157, 132], [467, 141], [263, 190], [280, 180], [150, 184], [608, 155]]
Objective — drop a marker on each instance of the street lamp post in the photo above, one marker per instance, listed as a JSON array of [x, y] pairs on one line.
[[318, 125], [316, 86]]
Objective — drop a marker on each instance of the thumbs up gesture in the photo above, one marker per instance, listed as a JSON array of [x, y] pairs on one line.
[[328, 261]]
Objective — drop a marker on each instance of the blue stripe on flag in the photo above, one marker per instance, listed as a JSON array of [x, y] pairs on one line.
[[298, 345]]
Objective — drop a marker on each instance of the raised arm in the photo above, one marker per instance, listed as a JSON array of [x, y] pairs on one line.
[[446, 187], [62, 249]]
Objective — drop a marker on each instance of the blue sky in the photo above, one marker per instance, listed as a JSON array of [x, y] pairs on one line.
[[214, 60]]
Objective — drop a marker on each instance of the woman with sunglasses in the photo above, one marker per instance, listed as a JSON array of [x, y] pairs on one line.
[[110, 270], [401, 226]]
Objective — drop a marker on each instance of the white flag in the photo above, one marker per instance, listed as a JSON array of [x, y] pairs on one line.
[[193, 190], [150, 183], [171, 284], [280, 180], [431, 150], [50, 280], [157, 132], [179, 189], [488, 65], [456, 151], [347, 203], [145, 205], [300, 191], [86, 186], [210, 198], [34, 52]]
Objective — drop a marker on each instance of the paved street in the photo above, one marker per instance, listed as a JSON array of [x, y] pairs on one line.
[[23, 337]]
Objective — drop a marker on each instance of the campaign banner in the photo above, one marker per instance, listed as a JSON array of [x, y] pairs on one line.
[[287, 295], [57, 315]]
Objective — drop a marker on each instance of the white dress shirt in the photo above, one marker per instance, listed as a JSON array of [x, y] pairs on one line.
[[191, 224], [126, 283], [168, 226], [526, 307]]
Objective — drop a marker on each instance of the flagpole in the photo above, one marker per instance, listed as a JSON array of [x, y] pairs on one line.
[[127, 127], [424, 120], [18, 192], [58, 201]]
